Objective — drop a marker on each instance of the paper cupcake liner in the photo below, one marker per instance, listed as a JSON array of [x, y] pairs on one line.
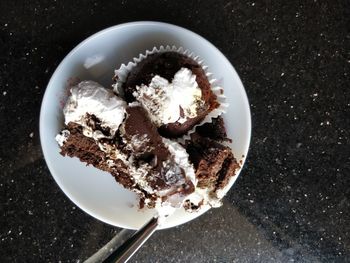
[[124, 70]]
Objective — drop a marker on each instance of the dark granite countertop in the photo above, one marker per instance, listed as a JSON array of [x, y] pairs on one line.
[[292, 200]]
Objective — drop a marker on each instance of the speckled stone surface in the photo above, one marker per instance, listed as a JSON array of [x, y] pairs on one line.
[[291, 203]]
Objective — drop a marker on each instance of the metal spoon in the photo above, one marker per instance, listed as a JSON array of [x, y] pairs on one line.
[[125, 251]]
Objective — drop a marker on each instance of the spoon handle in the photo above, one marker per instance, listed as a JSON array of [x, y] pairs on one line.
[[130, 246]]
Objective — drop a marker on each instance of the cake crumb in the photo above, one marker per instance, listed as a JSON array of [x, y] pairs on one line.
[[31, 135], [4, 93]]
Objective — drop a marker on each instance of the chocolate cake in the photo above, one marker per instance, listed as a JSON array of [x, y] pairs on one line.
[[147, 146], [87, 150], [214, 163], [170, 67], [214, 130], [132, 137]]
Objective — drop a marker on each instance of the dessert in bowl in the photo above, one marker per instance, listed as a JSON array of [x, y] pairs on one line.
[[191, 166]]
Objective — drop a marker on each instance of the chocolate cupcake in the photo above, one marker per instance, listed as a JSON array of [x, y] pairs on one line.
[[173, 87]]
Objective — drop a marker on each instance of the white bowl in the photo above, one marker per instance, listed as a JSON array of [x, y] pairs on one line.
[[94, 191]]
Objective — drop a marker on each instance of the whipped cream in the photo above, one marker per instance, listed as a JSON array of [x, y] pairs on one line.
[[204, 197], [163, 100], [90, 97], [201, 196], [62, 137], [181, 158]]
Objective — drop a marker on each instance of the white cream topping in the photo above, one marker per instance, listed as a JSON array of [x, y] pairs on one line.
[[203, 197], [163, 100], [199, 196], [181, 159], [62, 137], [139, 143], [90, 97]]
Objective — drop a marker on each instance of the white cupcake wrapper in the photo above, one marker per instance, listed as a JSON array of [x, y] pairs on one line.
[[122, 73]]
